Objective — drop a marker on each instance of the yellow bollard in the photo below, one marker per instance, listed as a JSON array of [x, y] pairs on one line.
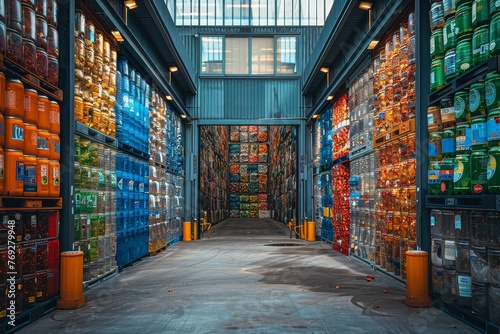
[[304, 229], [186, 231], [311, 231], [195, 230], [71, 289], [417, 279]]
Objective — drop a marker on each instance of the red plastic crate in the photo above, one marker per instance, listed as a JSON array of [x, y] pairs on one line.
[[54, 224], [53, 253], [53, 284]]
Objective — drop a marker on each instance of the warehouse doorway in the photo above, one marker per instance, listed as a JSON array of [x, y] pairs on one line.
[[247, 172]]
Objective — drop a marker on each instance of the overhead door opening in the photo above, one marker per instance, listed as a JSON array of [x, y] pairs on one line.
[[247, 171]]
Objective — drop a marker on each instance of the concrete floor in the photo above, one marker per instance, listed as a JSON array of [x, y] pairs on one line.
[[235, 282]]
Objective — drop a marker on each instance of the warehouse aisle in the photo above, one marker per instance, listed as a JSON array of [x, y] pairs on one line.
[[249, 277]]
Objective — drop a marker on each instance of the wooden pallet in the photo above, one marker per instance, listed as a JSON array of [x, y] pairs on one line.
[[158, 251], [394, 133], [30, 203]]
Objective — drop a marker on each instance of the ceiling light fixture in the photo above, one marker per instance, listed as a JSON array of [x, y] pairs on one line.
[[329, 97], [130, 4], [365, 5], [324, 69], [315, 116], [116, 34], [169, 97], [372, 44], [173, 68], [183, 116]]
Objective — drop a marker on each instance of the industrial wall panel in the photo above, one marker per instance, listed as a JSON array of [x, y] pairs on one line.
[[248, 99]]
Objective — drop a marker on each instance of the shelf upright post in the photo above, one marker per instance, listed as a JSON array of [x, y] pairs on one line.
[[422, 82], [66, 13]]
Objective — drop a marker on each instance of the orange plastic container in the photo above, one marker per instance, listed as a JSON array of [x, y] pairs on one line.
[[417, 279], [43, 113], [2, 170], [14, 133], [30, 106], [54, 147], [30, 139], [14, 98], [54, 178], [2, 92], [14, 173], [2, 130], [43, 144], [71, 281], [42, 177], [30, 167], [54, 118]]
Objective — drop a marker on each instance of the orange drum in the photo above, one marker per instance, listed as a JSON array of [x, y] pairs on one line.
[[43, 144], [42, 177], [54, 118], [30, 106], [30, 139], [54, 147], [30, 167], [14, 133], [43, 113], [54, 178], [2, 130], [2, 92], [14, 98], [1, 170], [14, 173]]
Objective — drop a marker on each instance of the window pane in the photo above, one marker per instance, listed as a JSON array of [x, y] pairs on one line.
[[286, 55], [236, 56], [211, 55], [262, 13], [288, 12], [263, 56]]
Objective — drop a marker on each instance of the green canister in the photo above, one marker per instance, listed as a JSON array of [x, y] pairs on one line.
[[447, 109], [492, 91], [477, 103], [492, 175], [493, 128], [480, 13], [463, 19], [437, 74], [449, 8], [433, 175], [449, 65], [446, 176], [461, 174], [461, 104], [479, 136], [463, 139], [448, 148], [494, 7], [495, 34], [437, 45], [449, 39], [463, 54], [478, 171], [480, 45], [435, 146]]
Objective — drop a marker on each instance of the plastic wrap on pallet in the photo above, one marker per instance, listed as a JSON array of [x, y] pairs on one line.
[[234, 169], [244, 206], [234, 148], [254, 198], [234, 213], [244, 158], [253, 187], [245, 178], [264, 214], [234, 187], [252, 137], [244, 169], [234, 177], [253, 169], [262, 169], [244, 198], [262, 198], [254, 177], [253, 158], [253, 128], [234, 158], [244, 188], [245, 148], [244, 137], [234, 198], [234, 205]]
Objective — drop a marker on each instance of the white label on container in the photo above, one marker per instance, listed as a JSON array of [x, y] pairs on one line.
[[430, 119], [10, 99], [464, 286], [458, 222], [433, 221], [450, 250]]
